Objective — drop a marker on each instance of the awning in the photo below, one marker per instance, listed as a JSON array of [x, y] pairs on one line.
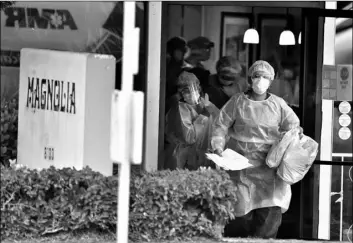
[[68, 26]]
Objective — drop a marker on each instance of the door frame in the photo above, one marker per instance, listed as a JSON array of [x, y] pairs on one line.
[[320, 225]]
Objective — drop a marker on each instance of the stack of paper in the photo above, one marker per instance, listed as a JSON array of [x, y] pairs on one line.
[[230, 160]]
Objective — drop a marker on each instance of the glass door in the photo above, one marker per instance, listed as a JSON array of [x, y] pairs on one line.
[[326, 98]]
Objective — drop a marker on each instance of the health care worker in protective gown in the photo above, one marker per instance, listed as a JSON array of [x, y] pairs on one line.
[[188, 126], [255, 120]]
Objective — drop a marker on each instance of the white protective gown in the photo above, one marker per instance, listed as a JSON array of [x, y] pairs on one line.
[[188, 131], [253, 127]]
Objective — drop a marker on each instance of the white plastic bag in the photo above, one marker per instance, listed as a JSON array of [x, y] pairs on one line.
[[275, 155], [297, 159]]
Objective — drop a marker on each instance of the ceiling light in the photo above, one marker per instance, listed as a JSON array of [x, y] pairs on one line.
[[251, 35], [300, 38], [287, 37]]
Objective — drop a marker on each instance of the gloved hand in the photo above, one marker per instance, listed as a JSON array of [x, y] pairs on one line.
[[217, 145], [208, 106], [218, 152], [301, 132], [204, 101]]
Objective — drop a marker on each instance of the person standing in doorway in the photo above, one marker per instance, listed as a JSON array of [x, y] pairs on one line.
[[200, 51], [229, 80], [188, 126], [176, 50]]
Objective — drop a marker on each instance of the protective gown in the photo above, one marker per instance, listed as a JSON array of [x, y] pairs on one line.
[[188, 130], [253, 127]]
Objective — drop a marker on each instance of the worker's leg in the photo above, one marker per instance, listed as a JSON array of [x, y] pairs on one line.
[[239, 227], [266, 222]]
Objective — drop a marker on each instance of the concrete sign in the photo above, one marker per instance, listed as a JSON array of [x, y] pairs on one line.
[[64, 109]]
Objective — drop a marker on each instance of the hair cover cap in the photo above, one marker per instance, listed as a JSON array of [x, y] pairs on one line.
[[261, 66], [187, 79]]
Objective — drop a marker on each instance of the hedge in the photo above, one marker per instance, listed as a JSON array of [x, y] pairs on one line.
[[8, 131], [164, 205]]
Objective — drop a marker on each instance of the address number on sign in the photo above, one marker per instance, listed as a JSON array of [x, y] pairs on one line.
[[48, 153]]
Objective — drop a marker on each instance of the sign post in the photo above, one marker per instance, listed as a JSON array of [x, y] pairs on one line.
[[127, 121]]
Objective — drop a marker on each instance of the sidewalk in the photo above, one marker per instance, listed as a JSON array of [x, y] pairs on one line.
[[231, 240]]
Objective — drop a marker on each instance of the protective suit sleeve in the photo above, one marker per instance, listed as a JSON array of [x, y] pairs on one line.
[[192, 128], [289, 119], [222, 123]]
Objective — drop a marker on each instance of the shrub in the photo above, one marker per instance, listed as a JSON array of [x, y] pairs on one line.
[[164, 204], [8, 130], [181, 203], [52, 200]]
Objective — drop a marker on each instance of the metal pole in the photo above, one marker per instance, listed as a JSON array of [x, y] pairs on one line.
[[341, 209], [325, 177], [128, 46], [123, 203]]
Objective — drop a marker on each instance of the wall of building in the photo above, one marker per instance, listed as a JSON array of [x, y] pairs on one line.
[[191, 21], [185, 21], [212, 28]]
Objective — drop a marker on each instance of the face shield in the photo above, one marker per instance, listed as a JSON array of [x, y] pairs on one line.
[[191, 94], [189, 88]]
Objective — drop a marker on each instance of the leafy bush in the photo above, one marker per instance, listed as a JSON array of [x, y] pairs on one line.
[[182, 203], [163, 204], [51, 200], [8, 130]]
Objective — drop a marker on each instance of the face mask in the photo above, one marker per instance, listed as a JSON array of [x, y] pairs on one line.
[[260, 85]]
